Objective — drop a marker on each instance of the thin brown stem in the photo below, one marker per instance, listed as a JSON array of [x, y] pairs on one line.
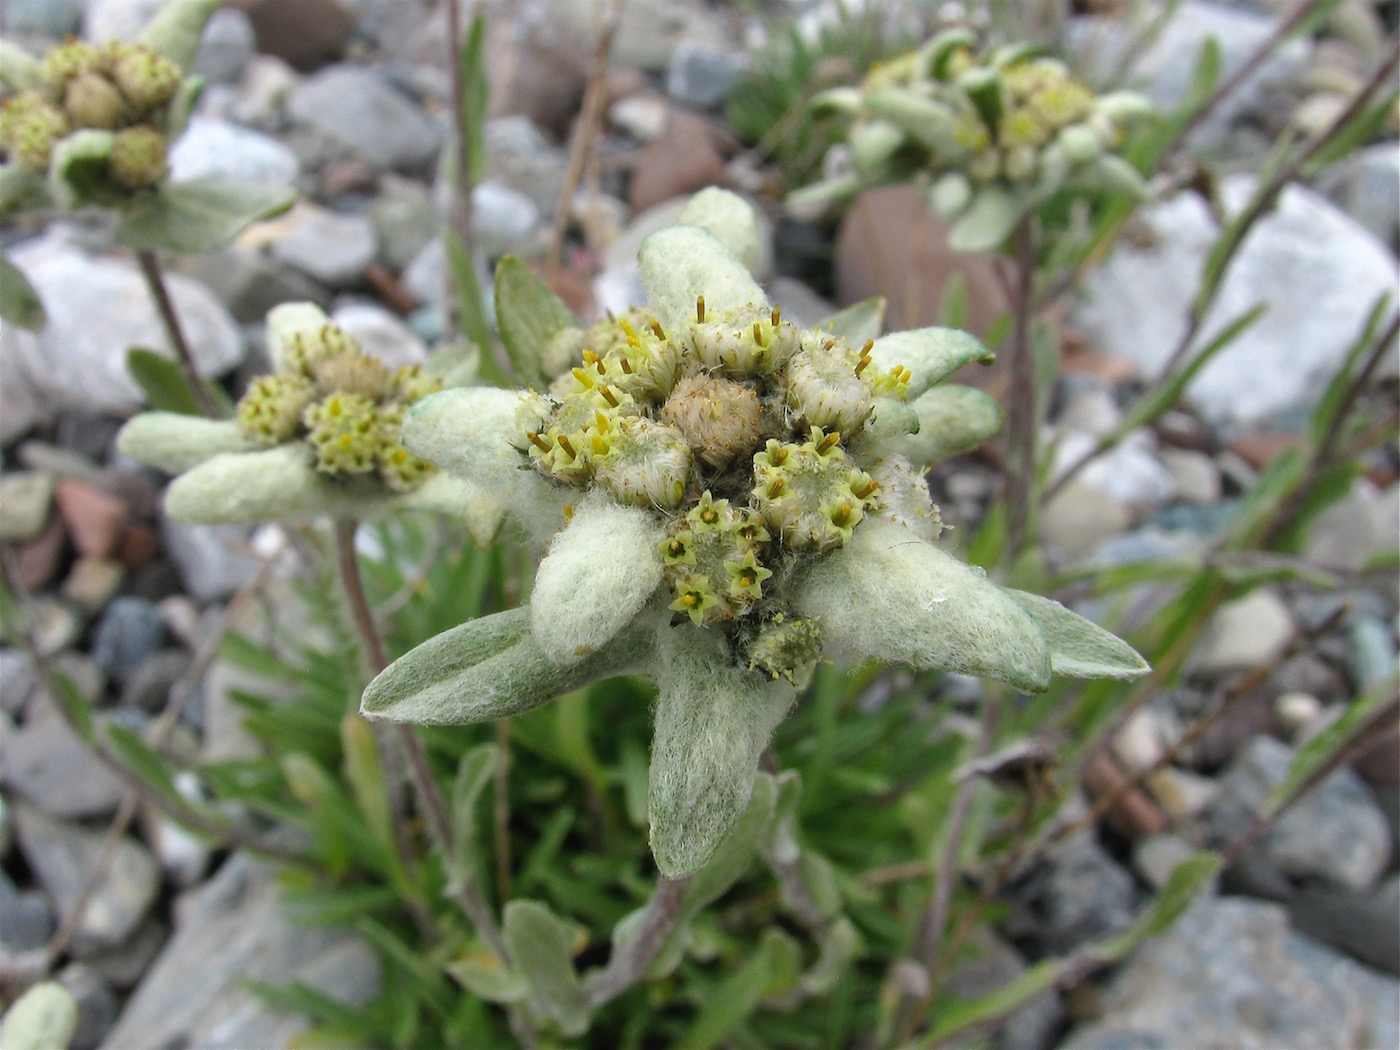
[[1021, 417], [590, 120], [628, 966], [165, 306]]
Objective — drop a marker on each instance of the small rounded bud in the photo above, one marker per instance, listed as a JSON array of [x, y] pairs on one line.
[[64, 62], [985, 165], [811, 494], [950, 195], [399, 469], [92, 101], [753, 340], [824, 387], [345, 434], [1063, 102], [786, 647], [147, 78], [138, 157], [721, 419], [873, 144], [643, 464], [1080, 143], [271, 410], [713, 551], [1019, 163], [303, 349], [1022, 127], [412, 384], [29, 129], [354, 373]]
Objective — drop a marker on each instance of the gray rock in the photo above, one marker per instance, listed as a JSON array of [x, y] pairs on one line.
[[118, 19], [1080, 517], [1230, 973], [1366, 186], [22, 407], [1365, 926], [1129, 472], [16, 680], [225, 50], [182, 856], [425, 278], [519, 156], [365, 115], [802, 306], [55, 625], [225, 739], [381, 334], [1318, 271], [97, 309], [234, 930], [404, 221], [129, 632], [48, 764], [92, 582], [328, 247], [125, 965], [214, 560], [1335, 833], [1362, 524], [63, 857], [25, 499], [217, 147], [1245, 633], [26, 918], [1157, 856], [993, 965], [250, 284], [1078, 893], [50, 18], [1194, 474], [97, 1004], [148, 687], [502, 218], [703, 76]]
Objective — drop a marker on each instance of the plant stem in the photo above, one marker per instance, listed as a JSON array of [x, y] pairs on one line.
[[165, 306], [460, 212], [628, 966], [1022, 406], [500, 812]]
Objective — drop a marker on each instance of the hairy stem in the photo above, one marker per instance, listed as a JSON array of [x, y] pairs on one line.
[[628, 966], [165, 306], [1021, 421]]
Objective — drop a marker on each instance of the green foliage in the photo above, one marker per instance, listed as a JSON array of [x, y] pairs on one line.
[[19, 303]]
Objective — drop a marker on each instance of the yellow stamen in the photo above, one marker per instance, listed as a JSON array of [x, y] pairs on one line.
[[539, 442], [564, 444], [699, 309], [608, 395], [827, 442]]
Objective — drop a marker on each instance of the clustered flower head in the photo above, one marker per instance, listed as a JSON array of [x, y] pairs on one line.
[[988, 135], [321, 435], [727, 499], [117, 96]]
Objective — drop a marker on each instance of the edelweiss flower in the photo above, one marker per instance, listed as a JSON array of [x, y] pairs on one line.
[[727, 500], [319, 436]]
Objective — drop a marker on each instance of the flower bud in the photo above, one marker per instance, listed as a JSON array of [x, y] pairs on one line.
[[786, 647], [64, 62], [903, 497], [29, 128], [643, 464], [303, 349], [412, 384], [811, 494], [345, 434], [92, 101], [1019, 163], [354, 373], [712, 560], [753, 340], [147, 78], [271, 410], [138, 157], [824, 387], [721, 419], [399, 469]]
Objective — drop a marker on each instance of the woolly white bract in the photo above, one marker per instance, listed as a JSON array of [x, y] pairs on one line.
[[726, 501]]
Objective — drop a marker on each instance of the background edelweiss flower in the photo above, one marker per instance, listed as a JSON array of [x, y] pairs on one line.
[[628, 589], [282, 457]]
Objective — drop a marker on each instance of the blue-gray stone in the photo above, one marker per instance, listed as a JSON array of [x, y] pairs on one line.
[[130, 631]]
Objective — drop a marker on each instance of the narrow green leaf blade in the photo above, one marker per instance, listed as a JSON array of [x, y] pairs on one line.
[[529, 316]]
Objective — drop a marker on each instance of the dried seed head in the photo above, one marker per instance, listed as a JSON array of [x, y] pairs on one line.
[[93, 101], [721, 419], [354, 373], [643, 464]]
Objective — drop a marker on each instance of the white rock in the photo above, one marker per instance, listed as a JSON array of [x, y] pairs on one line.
[[97, 310], [327, 246], [356, 107], [228, 46], [1181, 793], [1367, 186], [118, 19], [381, 334], [644, 117], [1138, 745], [1195, 475], [502, 217], [1295, 710], [1245, 633], [1318, 271], [1129, 472], [618, 287], [22, 407], [1364, 523], [1080, 517], [217, 147]]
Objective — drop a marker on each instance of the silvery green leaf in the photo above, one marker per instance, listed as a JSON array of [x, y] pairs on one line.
[[814, 201], [988, 221], [528, 315], [1010, 54], [1081, 143], [941, 48], [950, 195], [599, 573], [1112, 174], [489, 668], [483, 975], [873, 143], [890, 421], [542, 946], [836, 100], [1124, 107], [1080, 648], [982, 85], [175, 442], [79, 172], [930, 354], [19, 70], [466, 432], [712, 723], [199, 215], [930, 123], [42, 1018], [889, 596], [19, 302], [680, 263], [839, 947], [952, 419], [177, 27], [858, 323], [1053, 170], [730, 218]]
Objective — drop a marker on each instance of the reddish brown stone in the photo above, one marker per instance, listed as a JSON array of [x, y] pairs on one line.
[[304, 33], [138, 547], [1134, 815], [38, 559], [1261, 448], [684, 159], [94, 518], [1380, 763]]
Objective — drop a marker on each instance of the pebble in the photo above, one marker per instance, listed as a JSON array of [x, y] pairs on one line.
[[1296, 711], [213, 560], [1367, 186], [183, 857], [97, 1004], [1138, 744], [381, 334], [26, 918], [62, 857], [54, 19], [92, 582], [642, 116], [25, 499], [1194, 474], [1080, 517], [702, 76], [129, 632], [1076, 894], [1157, 857], [1245, 633], [1359, 526], [250, 283], [227, 150], [233, 930], [686, 158], [987, 964], [1232, 973], [226, 48], [124, 965], [118, 19], [519, 156], [1182, 794], [148, 687], [331, 248], [54, 624], [22, 407], [94, 519], [357, 108], [49, 765], [404, 221], [502, 217], [1362, 925]]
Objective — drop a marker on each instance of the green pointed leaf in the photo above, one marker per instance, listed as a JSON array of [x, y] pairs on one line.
[[19, 302], [167, 389], [930, 354], [680, 263], [489, 668], [858, 323], [177, 27], [1080, 648], [838, 100], [79, 173], [483, 975], [42, 1018], [839, 947], [200, 215], [889, 596], [475, 94], [542, 945], [712, 723], [175, 442], [942, 47], [932, 124], [529, 316], [811, 202], [471, 306], [988, 221], [983, 86], [952, 419], [1111, 174], [148, 765], [364, 774], [474, 772]]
